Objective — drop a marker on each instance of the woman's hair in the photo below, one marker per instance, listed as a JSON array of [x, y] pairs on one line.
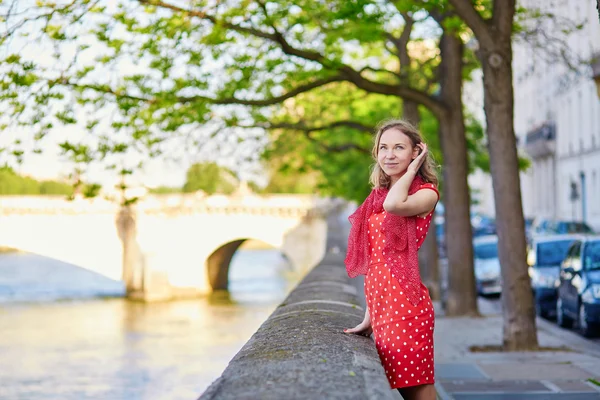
[[380, 179]]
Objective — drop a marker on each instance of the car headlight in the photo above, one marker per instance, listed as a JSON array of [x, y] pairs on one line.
[[591, 293]]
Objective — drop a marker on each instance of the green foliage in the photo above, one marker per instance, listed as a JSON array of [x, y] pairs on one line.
[[337, 156], [210, 178], [91, 190], [13, 184], [299, 64], [188, 64], [55, 188], [289, 183], [165, 190]]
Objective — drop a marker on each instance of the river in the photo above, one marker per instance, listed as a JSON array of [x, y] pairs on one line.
[[67, 333]]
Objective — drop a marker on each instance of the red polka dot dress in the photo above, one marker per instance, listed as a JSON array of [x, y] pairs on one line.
[[403, 332]]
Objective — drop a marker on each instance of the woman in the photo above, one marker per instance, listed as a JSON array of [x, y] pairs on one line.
[[387, 230]]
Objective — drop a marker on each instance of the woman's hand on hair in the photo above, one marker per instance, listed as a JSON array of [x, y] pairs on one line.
[[419, 160]]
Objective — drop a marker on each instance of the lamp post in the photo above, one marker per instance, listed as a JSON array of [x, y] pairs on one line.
[[583, 196], [573, 196]]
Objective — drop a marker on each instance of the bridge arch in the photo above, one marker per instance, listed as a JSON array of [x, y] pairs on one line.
[[219, 261], [166, 237]]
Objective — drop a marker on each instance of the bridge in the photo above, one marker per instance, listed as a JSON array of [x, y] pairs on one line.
[[166, 246]]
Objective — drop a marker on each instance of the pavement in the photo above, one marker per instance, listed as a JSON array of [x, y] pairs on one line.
[[572, 373]]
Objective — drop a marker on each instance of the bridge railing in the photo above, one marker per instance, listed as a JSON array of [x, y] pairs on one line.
[[301, 351], [281, 205]]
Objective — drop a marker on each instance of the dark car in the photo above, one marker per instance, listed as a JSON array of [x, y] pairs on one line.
[[544, 257], [579, 287]]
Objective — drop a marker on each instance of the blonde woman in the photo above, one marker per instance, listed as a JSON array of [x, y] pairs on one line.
[[387, 231]]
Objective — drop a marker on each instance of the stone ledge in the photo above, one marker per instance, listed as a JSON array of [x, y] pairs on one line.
[[301, 351]]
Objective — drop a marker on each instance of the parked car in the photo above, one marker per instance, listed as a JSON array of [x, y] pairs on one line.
[[579, 286], [487, 265], [528, 228], [544, 256], [551, 226]]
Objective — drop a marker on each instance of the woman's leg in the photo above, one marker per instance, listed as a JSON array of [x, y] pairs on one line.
[[421, 392]]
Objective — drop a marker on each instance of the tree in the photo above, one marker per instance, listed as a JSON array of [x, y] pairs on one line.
[[494, 34], [12, 183], [194, 62], [210, 178]]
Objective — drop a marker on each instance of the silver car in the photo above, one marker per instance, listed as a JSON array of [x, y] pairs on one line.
[[487, 265]]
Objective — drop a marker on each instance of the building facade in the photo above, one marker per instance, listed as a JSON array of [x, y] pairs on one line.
[[557, 119]]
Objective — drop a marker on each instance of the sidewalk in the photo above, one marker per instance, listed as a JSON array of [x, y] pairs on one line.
[[462, 374]]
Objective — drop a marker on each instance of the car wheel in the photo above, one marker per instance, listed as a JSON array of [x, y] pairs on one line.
[[584, 327], [561, 319]]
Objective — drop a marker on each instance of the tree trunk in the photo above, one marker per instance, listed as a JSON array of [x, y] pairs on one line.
[[517, 300], [410, 112], [462, 295], [429, 263]]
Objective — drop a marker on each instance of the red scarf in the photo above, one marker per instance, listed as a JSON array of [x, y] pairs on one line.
[[400, 243]]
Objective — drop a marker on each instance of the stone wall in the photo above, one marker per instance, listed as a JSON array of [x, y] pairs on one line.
[[301, 351]]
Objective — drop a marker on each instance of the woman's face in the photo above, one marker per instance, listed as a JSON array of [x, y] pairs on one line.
[[395, 152]]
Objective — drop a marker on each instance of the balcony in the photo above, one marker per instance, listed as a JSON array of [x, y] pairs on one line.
[[541, 141]]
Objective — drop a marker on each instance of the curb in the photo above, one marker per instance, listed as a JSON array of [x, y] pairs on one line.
[[441, 392], [574, 340]]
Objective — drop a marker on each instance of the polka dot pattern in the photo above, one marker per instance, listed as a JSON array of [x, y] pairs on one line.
[[403, 332]]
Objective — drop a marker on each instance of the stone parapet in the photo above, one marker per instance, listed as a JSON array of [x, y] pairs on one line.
[[301, 351]]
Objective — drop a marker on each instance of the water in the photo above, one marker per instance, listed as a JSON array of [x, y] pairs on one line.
[[62, 335]]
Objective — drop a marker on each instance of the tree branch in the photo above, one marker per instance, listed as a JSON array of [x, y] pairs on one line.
[[337, 149], [98, 88], [479, 26], [380, 71], [301, 126], [267, 102], [307, 130], [350, 74]]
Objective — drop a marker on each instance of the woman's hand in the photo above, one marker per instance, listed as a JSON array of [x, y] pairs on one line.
[[364, 328], [418, 161]]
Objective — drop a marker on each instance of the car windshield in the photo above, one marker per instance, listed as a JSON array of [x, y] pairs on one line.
[[592, 255], [573, 227], [552, 253], [486, 251]]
